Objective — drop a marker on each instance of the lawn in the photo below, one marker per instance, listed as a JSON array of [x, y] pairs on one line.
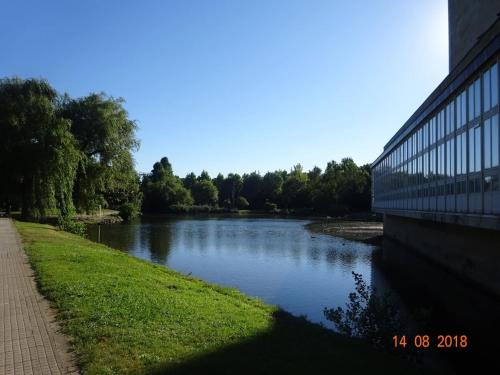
[[128, 316]]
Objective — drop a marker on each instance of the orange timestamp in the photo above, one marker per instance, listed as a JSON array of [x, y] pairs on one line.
[[427, 341]]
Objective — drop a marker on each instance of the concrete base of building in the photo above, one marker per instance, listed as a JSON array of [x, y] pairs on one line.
[[472, 253]]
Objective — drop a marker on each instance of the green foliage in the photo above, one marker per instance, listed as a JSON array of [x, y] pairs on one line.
[[295, 189], [189, 181], [128, 211], [72, 226], [242, 203], [368, 316], [204, 176], [38, 154], [270, 207], [61, 153], [272, 185], [229, 188], [106, 138], [342, 188], [161, 189], [205, 192], [252, 189]]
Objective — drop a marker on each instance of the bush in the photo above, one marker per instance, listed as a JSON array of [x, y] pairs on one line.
[[72, 226], [128, 211], [270, 207], [368, 316], [242, 203]]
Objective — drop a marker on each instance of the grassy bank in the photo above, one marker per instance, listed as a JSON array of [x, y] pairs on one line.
[[125, 316]]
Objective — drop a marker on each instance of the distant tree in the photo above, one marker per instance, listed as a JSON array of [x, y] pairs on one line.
[[295, 189], [272, 185], [242, 203], [189, 180], [38, 153], [106, 137], [219, 182], [230, 188], [252, 189], [314, 174], [161, 189], [204, 176], [205, 192]]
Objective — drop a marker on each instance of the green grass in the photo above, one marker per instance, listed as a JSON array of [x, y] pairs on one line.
[[126, 316]]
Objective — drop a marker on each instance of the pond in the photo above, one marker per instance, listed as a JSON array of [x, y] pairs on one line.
[[276, 260]]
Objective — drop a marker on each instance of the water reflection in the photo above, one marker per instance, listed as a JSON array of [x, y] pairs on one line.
[[277, 260]]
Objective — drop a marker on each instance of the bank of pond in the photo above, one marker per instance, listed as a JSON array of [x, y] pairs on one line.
[[127, 315]]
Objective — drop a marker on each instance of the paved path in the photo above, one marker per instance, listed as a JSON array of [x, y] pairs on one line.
[[29, 341]]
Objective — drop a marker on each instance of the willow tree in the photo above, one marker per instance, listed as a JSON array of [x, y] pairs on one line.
[[106, 137], [38, 157]]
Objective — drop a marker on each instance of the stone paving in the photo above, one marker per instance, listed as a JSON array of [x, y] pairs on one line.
[[29, 338]]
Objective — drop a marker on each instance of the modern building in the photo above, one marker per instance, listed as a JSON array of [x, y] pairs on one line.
[[437, 181]]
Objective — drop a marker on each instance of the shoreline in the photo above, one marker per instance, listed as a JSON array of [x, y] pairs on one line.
[[368, 232]]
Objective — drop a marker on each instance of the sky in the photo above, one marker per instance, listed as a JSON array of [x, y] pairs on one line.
[[239, 85]]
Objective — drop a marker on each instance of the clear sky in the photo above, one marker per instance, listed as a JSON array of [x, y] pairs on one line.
[[239, 85]]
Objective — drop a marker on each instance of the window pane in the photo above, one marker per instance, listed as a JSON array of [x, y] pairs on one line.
[[477, 98], [464, 152], [494, 141], [471, 102], [486, 90], [471, 150], [451, 153], [463, 108], [487, 144], [494, 85], [451, 117], [477, 148]]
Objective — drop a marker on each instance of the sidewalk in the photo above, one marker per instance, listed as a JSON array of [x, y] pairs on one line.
[[29, 338]]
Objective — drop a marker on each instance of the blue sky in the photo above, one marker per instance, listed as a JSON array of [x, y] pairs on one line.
[[239, 85]]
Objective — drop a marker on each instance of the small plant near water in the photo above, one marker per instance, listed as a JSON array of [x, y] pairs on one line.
[[128, 211], [368, 316], [72, 226]]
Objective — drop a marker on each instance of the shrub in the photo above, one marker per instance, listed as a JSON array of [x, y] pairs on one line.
[[72, 226], [368, 316], [271, 207], [128, 211], [242, 203]]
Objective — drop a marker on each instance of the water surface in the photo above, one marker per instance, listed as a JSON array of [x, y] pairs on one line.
[[277, 260]]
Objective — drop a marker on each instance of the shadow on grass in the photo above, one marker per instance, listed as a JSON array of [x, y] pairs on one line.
[[291, 346]]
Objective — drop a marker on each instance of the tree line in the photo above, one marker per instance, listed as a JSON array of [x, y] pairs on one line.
[[60, 154], [341, 188]]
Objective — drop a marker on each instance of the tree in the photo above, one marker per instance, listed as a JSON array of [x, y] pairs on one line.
[[219, 182], [252, 189], [204, 176], [295, 189], [242, 203], [38, 154], [230, 188], [189, 180], [161, 189], [205, 192], [272, 185], [106, 137]]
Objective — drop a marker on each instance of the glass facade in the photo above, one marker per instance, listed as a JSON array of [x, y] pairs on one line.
[[450, 161]]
